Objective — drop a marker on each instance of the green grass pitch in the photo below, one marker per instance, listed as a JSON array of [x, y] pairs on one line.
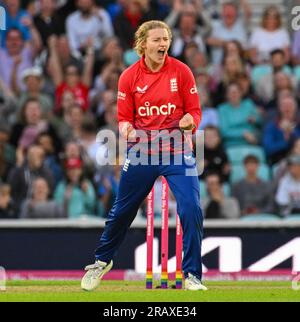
[[130, 291]]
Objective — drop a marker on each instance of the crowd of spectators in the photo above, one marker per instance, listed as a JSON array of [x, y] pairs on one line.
[[60, 62]]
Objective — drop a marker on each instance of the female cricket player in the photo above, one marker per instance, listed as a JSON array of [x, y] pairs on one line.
[[156, 93]]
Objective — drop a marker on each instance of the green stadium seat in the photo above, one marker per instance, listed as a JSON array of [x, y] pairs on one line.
[[227, 189], [238, 172], [260, 217], [237, 154], [259, 71], [294, 217], [203, 191]]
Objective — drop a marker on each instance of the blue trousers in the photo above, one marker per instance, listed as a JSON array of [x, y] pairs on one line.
[[135, 184]]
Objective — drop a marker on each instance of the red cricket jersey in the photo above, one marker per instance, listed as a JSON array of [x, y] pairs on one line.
[[157, 100]]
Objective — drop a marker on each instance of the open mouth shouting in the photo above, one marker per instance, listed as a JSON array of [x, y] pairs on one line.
[[161, 53]]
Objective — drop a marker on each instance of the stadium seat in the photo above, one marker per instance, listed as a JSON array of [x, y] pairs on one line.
[[227, 189], [294, 217], [237, 154], [259, 71], [260, 217], [297, 73], [203, 191], [238, 172]]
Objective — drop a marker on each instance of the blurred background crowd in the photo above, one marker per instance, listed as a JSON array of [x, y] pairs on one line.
[[59, 67]]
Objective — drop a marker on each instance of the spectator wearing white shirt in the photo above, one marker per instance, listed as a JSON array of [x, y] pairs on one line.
[[16, 57], [268, 37], [288, 193], [229, 27], [88, 23]]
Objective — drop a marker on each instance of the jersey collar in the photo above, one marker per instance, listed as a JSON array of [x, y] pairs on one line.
[[147, 70]]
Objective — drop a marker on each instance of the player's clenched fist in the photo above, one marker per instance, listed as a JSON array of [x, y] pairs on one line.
[[127, 131], [187, 122]]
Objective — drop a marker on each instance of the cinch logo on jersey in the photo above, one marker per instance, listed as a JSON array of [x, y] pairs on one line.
[[149, 110]]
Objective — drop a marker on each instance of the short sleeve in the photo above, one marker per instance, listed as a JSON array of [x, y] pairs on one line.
[[125, 101]]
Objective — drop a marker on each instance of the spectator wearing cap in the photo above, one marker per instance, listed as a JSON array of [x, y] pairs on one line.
[[239, 119], [253, 194], [28, 168], [288, 193], [33, 80], [16, 57], [7, 208], [75, 194], [280, 134], [39, 205], [217, 205]]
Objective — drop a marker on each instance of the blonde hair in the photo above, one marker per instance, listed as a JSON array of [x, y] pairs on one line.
[[229, 77], [271, 10], [142, 34]]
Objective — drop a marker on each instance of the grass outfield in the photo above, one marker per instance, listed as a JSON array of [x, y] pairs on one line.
[[129, 291]]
